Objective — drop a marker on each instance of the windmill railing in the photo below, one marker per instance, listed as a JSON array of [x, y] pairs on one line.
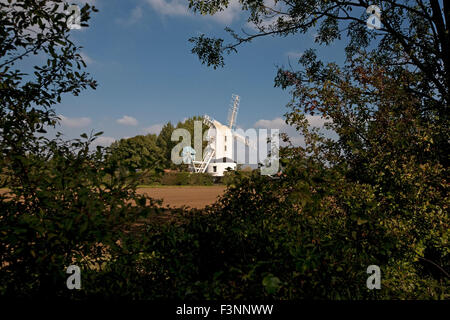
[[208, 121]]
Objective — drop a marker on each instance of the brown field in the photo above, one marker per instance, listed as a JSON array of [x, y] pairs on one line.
[[175, 196], [191, 196]]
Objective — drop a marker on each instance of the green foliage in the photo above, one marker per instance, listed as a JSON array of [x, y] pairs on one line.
[[149, 153], [175, 178], [208, 50], [387, 201], [165, 143], [27, 95], [136, 154], [309, 234], [67, 211], [188, 124], [231, 177], [65, 205], [378, 194], [201, 179], [186, 178], [410, 34]]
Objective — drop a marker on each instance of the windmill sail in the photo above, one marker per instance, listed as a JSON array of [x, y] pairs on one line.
[[232, 113]]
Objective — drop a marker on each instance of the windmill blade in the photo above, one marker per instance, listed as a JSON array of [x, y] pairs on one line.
[[232, 113]]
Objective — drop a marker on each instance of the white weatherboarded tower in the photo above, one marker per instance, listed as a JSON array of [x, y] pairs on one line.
[[218, 156]]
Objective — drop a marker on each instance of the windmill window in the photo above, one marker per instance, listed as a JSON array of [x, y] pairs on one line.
[[225, 148], [214, 169], [224, 159], [225, 138]]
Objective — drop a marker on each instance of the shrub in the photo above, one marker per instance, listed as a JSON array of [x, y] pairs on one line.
[[63, 210], [309, 234], [201, 179], [186, 178]]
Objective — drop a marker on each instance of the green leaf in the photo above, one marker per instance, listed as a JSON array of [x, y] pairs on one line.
[[271, 283], [361, 221]]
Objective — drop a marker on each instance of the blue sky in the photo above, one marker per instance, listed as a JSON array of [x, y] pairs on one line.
[[139, 53]]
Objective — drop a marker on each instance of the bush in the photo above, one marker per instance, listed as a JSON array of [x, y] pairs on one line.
[[376, 195], [201, 179], [175, 178], [310, 234], [64, 210], [149, 177], [232, 177], [186, 178]]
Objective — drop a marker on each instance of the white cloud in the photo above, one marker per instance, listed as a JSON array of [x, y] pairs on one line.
[[180, 8], [170, 7], [155, 129], [278, 123], [103, 141], [294, 54], [86, 58], [136, 14], [264, 24], [229, 14], [74, 122], [272, 17], [127, 121], [317, 121], [295, 137]]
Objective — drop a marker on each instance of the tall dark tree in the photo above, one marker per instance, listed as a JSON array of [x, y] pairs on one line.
[[165, 143]]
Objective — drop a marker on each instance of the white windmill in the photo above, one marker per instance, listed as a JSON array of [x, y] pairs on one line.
[[218, 156]]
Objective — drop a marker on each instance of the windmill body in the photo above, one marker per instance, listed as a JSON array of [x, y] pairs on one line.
[[218, 155], [221, 141]]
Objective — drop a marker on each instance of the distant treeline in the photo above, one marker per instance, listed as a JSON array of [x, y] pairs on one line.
[[151, 152], [150, 155]]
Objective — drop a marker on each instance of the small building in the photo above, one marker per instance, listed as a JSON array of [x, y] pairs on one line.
[[218, 167]]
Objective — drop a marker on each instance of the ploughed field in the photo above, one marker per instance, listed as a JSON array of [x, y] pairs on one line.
[[177, 196], [191, 196]]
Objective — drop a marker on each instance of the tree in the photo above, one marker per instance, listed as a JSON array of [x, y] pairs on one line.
[[414, 36], [137, 153], [26, 96], [189, 123], [165, 143], [383, 180], [63, 207]]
